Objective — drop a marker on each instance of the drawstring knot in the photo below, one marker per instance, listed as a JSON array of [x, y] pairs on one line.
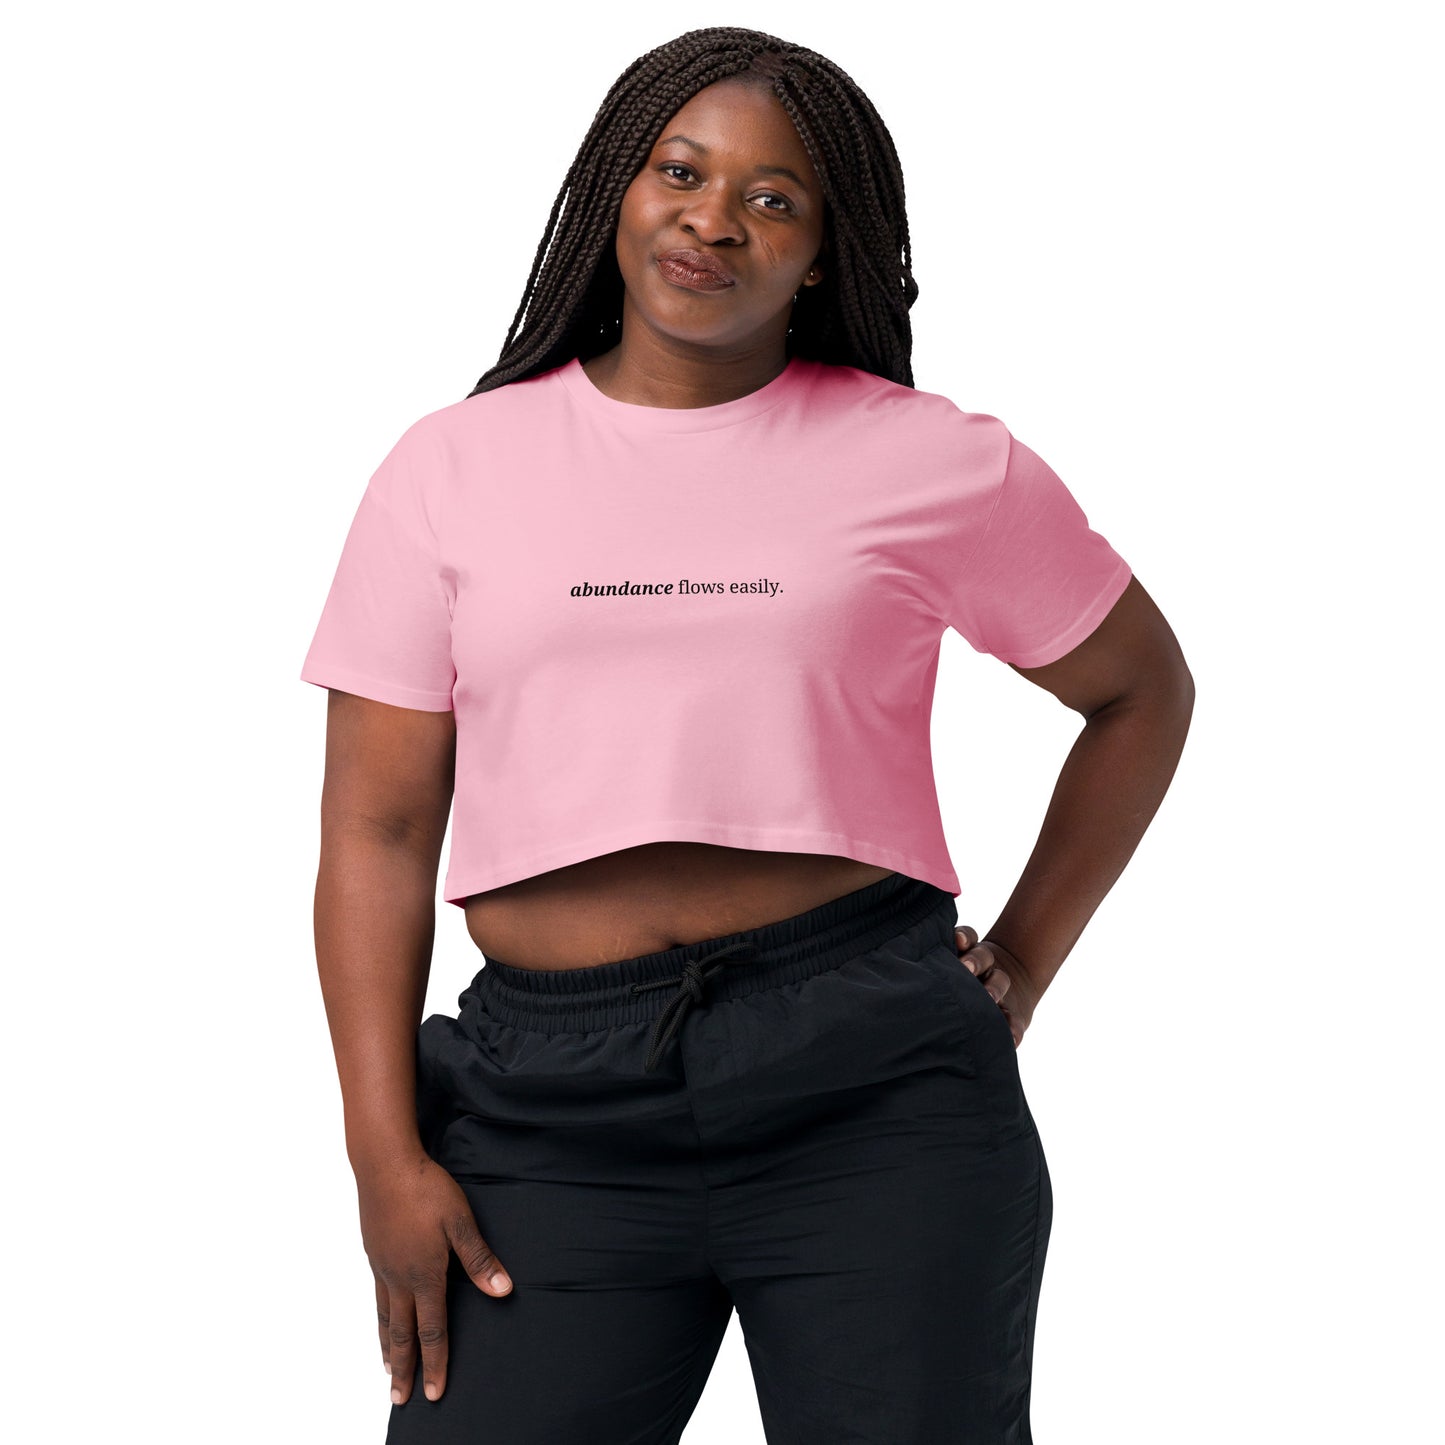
[[691, 979]]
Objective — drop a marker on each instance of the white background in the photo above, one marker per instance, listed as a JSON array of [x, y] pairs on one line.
[[1189, 255]]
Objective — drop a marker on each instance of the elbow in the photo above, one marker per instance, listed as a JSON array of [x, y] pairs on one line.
[[1169, 691], [1164, 691], [1173, 703], [1182, 688]]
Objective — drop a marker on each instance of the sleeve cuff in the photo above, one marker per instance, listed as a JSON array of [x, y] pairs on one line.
[[1065, 641], [377, 689]]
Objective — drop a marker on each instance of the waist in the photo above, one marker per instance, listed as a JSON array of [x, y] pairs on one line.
[[784, 951], [653, 897]]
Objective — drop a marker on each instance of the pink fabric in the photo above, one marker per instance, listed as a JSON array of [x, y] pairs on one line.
[[790, 560]]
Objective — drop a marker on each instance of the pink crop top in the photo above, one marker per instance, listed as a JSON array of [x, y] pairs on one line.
[[716, 624]]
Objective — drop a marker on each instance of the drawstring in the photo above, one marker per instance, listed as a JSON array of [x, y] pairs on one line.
[[691, 978]]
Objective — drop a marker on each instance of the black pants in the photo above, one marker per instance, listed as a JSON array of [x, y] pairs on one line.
[[818, 1122]]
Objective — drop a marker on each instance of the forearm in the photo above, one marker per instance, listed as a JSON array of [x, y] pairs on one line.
[[375, 917], [1110, 787]]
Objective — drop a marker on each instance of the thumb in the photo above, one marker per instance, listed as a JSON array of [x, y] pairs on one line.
[[966, 939], [476, 1255]]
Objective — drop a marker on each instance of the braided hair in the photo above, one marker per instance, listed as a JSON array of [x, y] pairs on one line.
[[856, 316]]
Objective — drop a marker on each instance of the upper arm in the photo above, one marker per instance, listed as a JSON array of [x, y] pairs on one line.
[[382, 650], [389, 771], [1131, 654]]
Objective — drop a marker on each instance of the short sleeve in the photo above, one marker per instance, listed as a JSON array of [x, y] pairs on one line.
[[1040, 579], [385, 628]]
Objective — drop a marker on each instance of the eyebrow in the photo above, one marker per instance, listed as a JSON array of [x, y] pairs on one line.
[[761, 170]]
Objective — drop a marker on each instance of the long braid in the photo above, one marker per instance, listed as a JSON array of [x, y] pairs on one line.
[[856, 316]]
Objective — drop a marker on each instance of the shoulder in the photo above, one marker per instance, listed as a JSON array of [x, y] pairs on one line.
[[518, 403], [431, 442], [883, 401], [456, 438]]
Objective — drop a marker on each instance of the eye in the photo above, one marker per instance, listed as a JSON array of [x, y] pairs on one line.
[[669, 166]]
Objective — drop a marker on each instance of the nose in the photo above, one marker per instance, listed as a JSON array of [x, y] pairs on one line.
[[711, 216]]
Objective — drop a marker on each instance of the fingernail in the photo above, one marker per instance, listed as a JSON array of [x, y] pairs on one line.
[[500, 1280], [396, 1394], [431, 1391], [386, 1364], [968, 964]]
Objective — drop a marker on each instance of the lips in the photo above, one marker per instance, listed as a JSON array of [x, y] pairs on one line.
[[695, 269]]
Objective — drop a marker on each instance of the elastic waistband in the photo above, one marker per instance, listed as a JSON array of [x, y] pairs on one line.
[[791, 949]]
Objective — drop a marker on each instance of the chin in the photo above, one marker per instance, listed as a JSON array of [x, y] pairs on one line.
[[674, 325], [703, 341]]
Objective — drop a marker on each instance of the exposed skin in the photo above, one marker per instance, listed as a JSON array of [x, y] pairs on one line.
[[683, 348], [389, 771]]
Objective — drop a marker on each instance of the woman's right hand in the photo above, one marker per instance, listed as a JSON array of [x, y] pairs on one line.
[[412, 1217]]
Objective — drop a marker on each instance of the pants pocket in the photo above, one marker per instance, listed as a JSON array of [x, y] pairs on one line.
[[990, 1044]]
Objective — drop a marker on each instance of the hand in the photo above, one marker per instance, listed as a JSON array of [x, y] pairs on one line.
[[413, 1214], [1003, 976]]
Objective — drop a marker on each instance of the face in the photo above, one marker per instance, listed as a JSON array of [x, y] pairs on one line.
[[729, 180]]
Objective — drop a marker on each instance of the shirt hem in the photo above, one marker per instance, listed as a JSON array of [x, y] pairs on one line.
[[377, 691], [1082, 627], [458, 890]]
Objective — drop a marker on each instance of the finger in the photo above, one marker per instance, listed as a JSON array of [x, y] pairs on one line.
[[431, 1335], [967, 940], [476, 1255], [997, 982], [383, 1317], [402, 1330], [987, 966]]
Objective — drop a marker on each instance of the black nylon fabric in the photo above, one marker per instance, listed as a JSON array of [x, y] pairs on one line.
[[833, 1140]]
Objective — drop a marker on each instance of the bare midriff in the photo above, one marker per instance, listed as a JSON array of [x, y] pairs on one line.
[[653, 897]]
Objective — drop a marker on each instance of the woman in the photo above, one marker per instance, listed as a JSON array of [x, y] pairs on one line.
[[654, 613]]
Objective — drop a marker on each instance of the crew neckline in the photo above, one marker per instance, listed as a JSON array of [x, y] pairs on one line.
[[637, 417]]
